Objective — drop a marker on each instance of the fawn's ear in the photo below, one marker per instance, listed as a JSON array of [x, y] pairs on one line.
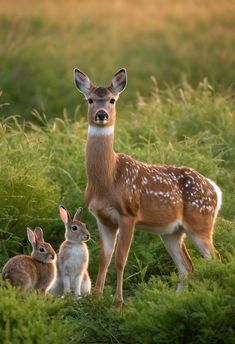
[[31, 237], [82, 82], [64, 215], [119, 81], [78, 214], [39, 233]]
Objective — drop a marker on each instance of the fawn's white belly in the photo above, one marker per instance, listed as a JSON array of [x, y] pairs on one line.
[[168, 229]]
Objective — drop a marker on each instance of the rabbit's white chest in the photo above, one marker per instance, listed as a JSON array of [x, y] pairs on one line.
[[74, 261]]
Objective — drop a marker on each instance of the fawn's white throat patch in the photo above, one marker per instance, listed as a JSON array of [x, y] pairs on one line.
[[100, 131]]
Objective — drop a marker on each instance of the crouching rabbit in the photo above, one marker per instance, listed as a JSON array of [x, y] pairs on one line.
[[35, 272], [73, 257]]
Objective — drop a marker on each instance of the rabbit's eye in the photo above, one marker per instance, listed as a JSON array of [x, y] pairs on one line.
[[41, 249], [112, 101], [90, 101], [74, 228]]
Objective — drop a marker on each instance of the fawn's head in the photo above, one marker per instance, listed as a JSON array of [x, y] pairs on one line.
[[101, 100]]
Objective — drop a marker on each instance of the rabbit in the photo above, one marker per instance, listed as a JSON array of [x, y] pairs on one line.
[[73, 257], [35, 272]]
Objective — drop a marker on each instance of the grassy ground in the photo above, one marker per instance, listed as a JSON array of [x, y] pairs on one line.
[[183, 118]]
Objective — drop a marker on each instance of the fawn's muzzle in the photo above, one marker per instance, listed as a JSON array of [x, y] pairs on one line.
[[101, 115]]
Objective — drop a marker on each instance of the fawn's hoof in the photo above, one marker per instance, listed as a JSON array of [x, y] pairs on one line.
[[118, 304], [97, 292]]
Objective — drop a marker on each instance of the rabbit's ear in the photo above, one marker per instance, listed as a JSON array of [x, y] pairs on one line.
[[64, 215], [31, 237], [39, 233], [78, 214]]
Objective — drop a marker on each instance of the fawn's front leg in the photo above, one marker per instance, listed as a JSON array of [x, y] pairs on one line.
[[107, 244], [126, 231]]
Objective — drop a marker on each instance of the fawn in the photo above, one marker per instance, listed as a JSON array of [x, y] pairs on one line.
[[123, 193]]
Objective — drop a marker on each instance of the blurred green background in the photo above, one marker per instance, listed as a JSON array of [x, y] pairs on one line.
[[42, 41]]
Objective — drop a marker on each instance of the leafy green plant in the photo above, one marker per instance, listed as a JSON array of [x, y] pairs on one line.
[[32, 318]]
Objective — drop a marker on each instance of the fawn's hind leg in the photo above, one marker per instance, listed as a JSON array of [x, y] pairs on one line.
[[174, 243]]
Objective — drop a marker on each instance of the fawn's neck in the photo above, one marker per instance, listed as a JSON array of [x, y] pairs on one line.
[[100, 157]]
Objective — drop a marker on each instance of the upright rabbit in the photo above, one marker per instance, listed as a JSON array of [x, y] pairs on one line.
[[73, 257], [35, 272]]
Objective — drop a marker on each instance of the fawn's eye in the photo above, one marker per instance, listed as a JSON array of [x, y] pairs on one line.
[[74, 228], [90, 101], [112, 101], [41, 249]]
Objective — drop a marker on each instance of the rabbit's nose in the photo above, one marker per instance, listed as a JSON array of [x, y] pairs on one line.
[[52, 256]]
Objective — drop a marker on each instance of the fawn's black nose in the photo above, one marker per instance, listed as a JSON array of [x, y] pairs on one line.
[[101, 115]]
